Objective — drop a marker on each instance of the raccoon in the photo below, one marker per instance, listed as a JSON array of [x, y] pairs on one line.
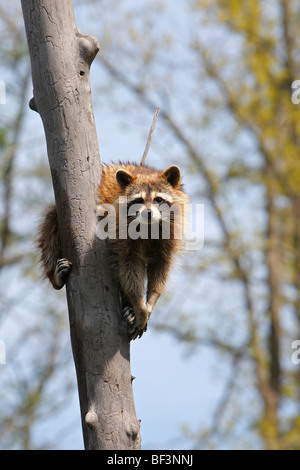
[[147, 220]]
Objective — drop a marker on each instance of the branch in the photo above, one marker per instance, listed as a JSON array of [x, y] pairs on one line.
[[220, 409], [9, 158], [247, 122], [288, 41], [150, 137]]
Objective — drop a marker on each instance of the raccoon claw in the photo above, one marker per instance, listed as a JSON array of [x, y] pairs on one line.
[[133, 331], [129, 315], [62, 269]]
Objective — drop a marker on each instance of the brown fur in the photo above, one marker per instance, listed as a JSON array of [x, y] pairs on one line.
[[133, 260], [48, 243]]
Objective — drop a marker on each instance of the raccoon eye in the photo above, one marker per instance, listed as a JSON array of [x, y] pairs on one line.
[[139, 200], [159, 200]]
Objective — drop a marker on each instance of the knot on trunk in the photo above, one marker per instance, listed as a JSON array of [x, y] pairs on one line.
[[88, 47], [91, 418]]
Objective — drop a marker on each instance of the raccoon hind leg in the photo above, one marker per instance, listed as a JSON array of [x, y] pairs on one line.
[[157, 274]]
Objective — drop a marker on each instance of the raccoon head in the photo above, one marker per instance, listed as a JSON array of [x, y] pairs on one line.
[[148, 197]]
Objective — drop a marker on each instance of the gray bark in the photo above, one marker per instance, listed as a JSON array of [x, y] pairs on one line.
[[60, 60]]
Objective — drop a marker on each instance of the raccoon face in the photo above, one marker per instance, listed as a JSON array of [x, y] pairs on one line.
[[147, 207], [148, 198]]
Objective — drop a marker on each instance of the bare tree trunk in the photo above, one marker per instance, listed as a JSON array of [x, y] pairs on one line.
[[60, 60]]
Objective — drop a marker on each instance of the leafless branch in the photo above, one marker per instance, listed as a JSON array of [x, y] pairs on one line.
[[150, 137]]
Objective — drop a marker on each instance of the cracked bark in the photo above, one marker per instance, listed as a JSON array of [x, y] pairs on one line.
[[60, 60]]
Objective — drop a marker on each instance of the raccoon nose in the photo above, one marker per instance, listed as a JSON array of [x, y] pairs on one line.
[[146, 214]]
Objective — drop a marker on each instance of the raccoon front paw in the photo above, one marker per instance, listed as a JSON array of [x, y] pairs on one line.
[[135, 328], [62, 269]]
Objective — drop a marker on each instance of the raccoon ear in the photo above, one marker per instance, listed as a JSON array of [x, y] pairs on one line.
[[123, 178], [172, 175]]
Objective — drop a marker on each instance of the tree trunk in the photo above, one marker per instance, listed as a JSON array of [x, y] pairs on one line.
[[60, 60]]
